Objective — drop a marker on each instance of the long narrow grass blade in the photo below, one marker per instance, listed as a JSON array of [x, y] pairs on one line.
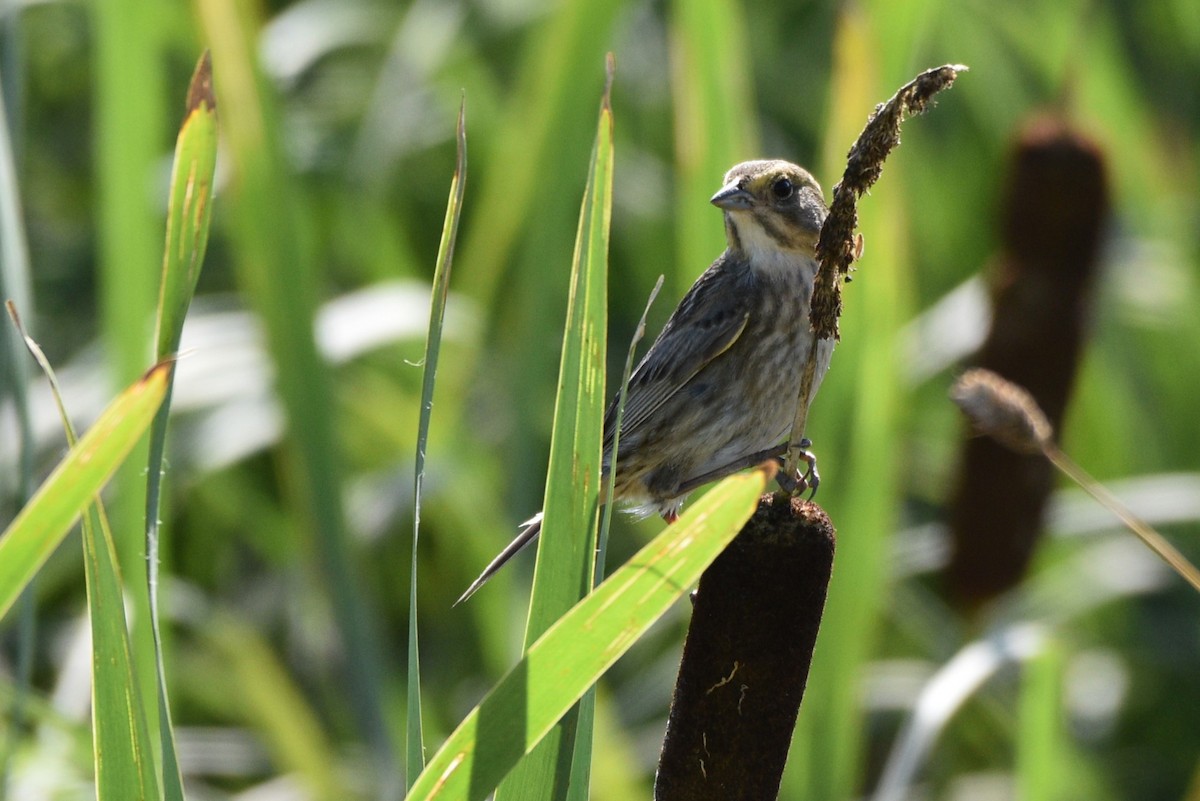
[[414, 752], [35, 350], [1043, 756], [41, 525], [120, 738], [566, 550], [606, 515], [121, 743], [189, 212], [45, 520], [525, 207], [278, 271], [189, 208], [573, 653], [129, 119], [578, 786]]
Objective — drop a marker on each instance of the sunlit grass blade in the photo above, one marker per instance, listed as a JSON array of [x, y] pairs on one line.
[[566, 550], [579, 785], [414, 752], [121, 742], [41, 525], [189, 208], [606, 515], [525, 206], [714, 120], [129, 120], [276, 257], [189, 212], [573, 653], [1043, 758]]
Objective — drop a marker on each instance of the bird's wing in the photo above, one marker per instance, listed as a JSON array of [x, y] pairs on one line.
[[709, 319]]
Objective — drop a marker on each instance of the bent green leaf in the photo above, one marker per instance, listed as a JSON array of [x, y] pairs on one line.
[[121, 744], [575, 651], [43, 523]]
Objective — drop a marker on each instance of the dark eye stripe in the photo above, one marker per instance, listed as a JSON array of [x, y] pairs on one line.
[[775, 227]]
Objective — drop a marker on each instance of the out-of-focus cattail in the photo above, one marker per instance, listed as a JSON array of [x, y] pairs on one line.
[[1052, 220], [1008, 414], [1003, 411]]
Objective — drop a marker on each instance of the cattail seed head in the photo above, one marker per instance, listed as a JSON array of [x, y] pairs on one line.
[[1002, 410]]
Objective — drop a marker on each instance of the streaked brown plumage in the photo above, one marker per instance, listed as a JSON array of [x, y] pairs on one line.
[[716, 392]]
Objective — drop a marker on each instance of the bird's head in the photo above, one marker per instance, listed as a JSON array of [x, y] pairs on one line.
[[772, 209]]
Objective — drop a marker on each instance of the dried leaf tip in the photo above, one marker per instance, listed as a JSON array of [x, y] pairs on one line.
[[200, 90], [1002, 410], [13, 315]]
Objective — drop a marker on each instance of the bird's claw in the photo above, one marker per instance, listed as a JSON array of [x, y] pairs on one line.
[[809, 480]]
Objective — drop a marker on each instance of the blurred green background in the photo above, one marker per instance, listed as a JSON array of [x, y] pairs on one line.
[[288, 513]]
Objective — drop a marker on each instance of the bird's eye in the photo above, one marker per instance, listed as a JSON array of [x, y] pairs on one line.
[[782, 189]]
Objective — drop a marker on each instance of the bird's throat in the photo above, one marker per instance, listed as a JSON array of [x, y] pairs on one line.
[[767, 246]]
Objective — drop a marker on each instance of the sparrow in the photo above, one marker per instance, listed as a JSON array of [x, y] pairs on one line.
[[716, 392]]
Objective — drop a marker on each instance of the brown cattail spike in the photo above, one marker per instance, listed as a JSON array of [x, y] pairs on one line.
[[837, 247]]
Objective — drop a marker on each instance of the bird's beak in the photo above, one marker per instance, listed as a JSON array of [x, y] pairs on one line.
[[733, 198]]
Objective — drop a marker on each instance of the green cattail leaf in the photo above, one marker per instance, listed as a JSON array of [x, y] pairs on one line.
[[566, 550], [189, 208], [574, 652], [43, 523], [414, 756], [121, 743], [189, 212]]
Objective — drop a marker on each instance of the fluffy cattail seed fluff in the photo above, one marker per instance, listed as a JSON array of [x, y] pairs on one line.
[[1002, 410]]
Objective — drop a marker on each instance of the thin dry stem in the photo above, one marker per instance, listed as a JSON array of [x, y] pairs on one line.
[[838, 246], [1144, 531], [1010, 415], [864, 164]]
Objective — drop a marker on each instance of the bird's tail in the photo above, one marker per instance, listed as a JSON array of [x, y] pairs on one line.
[[529, 532]]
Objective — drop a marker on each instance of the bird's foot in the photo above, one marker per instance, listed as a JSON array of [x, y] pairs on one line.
[[799, 483]]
